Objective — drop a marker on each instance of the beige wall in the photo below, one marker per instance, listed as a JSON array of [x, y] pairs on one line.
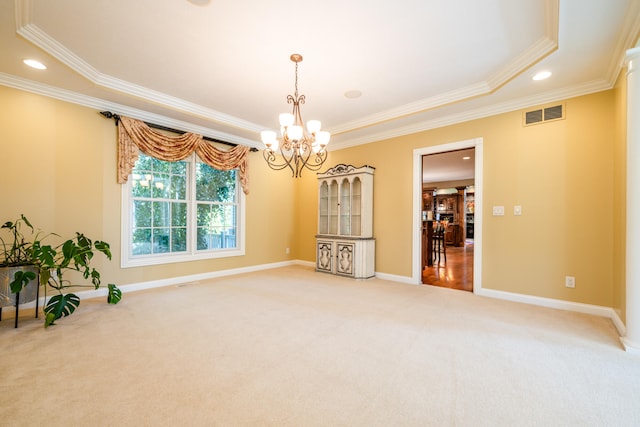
[[565, 174], [59, 169], [561, 173]]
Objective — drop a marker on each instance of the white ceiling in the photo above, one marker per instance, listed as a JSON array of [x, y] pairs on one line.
[[222, 69]]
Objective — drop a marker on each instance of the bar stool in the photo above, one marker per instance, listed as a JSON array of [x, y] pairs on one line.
[[439, 243]]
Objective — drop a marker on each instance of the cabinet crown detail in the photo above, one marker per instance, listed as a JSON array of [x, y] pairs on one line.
[[343, 169]]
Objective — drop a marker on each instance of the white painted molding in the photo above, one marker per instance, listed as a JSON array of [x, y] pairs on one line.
[[32, 33], [396, 278], [478, 113], [630, 347], [595, 310], [490, 293], [98, 104], [172, 281], [536, 52]]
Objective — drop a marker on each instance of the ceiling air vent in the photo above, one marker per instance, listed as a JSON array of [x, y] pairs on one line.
[[543, 115]]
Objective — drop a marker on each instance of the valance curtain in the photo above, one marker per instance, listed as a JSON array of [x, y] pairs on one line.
[[134, 135]]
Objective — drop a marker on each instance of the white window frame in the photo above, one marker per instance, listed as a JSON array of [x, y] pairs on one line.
[[127, 259]]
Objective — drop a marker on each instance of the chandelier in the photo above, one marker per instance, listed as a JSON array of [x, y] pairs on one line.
[[299, 147]]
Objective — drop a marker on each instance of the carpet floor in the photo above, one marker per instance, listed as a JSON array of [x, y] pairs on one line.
[[292, 347]]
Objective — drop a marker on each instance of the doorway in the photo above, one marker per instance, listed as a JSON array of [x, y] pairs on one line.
[[448, 204], [460, 248]]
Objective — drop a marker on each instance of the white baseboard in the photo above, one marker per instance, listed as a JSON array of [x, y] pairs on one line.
[[395, 278], [132, 287], [595, 310]]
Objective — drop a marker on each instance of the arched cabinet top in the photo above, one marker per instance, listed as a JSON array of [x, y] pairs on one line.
[[346, 170]]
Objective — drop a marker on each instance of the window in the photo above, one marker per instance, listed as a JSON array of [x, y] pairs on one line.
[[180, 211]]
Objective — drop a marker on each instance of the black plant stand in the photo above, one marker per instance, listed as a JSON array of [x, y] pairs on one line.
[[18, 305]]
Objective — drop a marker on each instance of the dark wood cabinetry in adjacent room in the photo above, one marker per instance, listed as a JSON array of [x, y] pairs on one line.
[[449, 209]]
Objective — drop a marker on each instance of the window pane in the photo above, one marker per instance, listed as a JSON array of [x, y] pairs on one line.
[[230, 216], [178, 188], [141, 213], [160, 187], [179, 168], [161, 214], [179, 239], [141, 241], [178, 214], [161, 165], [213, 185], [203, 242], [160, 240], [140, 185]]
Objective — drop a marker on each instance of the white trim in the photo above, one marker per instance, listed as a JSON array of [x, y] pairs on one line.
[[153, 284], [477, 113], [99, 104], [629, 346], [476, 143], [44, 41], [395, 278], [595, 310]]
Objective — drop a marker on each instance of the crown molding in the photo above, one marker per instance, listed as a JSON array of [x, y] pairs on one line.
[[100, 105], [31, 32], [479, 113], [629, 37], [534, 54]]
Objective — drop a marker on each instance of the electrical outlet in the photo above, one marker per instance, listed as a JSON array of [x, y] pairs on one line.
[[570, 281], [517, 210], [286, 251], [498, 211]]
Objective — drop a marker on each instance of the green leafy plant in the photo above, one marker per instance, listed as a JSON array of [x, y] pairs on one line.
[[17, 252], [52, 262]]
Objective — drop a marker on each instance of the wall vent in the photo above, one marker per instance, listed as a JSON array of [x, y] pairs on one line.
[[542, 115]]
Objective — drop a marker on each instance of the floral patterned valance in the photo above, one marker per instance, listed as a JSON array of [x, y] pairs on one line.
[[134, 135]]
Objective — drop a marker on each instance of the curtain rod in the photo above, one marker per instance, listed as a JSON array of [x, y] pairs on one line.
[[116, 117]]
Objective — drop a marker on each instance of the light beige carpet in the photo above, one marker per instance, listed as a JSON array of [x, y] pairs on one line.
[[291, 347]]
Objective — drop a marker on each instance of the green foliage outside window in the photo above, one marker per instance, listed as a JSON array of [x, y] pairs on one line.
[[160, 207]]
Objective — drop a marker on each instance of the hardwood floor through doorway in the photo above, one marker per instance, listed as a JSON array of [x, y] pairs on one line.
[[456, 273]]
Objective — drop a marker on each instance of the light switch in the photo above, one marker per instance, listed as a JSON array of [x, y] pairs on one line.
[[517, 210], [498, 211]]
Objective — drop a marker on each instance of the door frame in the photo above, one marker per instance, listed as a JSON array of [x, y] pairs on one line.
[[476, 143]]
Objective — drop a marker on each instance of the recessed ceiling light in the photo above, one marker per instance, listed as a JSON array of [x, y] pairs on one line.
[[200, 2], [352, 94], [35, 64], [542, 75], [466, 158]]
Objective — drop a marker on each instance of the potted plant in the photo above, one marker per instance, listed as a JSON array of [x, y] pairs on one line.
[[52, 261], [17, 269]]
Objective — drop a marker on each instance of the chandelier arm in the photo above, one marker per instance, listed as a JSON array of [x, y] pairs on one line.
[[270, 157]]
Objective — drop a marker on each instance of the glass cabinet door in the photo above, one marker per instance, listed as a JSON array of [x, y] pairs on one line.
[[356, 207], [333, 207], [345, 208], [323, 224]]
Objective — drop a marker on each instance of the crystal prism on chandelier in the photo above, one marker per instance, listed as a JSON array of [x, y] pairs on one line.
[[299, 147]]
